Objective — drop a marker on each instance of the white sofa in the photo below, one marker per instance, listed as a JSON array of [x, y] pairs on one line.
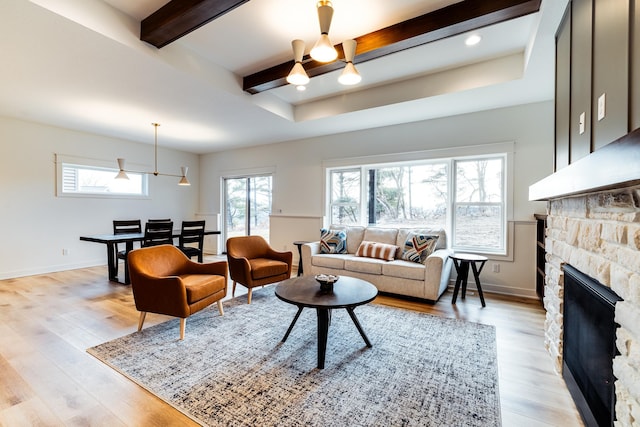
[[426, 281]]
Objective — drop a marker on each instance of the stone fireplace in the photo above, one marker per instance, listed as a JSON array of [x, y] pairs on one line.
[[599, 234], [593, 225]]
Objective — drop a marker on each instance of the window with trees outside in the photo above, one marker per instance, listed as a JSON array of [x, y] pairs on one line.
[[465, 196]]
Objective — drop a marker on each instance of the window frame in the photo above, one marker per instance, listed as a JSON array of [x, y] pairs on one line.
[[79, 163], [453, 205], [362, 195], [504, 149]]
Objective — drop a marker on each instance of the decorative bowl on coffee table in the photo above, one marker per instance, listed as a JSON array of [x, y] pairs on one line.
[[326, 282]]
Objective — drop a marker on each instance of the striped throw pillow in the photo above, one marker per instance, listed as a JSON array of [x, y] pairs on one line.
[[377, 250]]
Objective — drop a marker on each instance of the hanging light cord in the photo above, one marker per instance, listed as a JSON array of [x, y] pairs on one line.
[[155, 128]]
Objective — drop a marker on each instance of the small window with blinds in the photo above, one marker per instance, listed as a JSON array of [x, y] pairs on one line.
[[90, 178]]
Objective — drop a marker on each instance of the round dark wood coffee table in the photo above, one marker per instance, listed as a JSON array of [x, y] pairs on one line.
[[348, 293]]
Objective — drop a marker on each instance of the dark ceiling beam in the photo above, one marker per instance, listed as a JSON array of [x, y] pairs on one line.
[[179, 17], [449, 21]]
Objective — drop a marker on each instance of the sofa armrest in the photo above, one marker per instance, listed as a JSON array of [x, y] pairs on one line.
[[438, 269], [438, 257], [435, 263], [308, 250]]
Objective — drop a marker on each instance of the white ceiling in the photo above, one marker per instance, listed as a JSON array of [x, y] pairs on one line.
[[79, 64]]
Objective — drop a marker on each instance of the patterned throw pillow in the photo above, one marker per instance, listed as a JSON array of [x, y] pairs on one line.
[[333, 241], [418, 247], [377, 250]]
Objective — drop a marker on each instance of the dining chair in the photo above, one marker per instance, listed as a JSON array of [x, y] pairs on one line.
[[190, 233], [125, 227], [159, 220], [158, 233]]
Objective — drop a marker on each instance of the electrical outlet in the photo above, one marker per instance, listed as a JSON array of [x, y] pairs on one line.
[[496, 268], [582, 121], [65, 252]]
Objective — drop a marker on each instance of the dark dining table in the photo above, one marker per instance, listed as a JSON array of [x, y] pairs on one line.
[[112, 240]]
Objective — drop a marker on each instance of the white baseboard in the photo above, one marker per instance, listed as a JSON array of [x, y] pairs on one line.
[[49, 269], [499, 289]]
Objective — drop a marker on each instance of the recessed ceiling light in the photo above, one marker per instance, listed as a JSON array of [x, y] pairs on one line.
[[472, 40], [301, 88]]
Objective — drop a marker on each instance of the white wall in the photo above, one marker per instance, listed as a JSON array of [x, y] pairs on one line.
[[298, 178], [37, 225]]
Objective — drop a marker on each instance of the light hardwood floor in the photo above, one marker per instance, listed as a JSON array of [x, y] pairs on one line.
[[47, 379]]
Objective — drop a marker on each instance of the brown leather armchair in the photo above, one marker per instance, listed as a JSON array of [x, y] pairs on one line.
[[165, 281], [252, 262]]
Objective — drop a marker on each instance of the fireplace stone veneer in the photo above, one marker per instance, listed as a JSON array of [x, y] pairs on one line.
[[599, 234]]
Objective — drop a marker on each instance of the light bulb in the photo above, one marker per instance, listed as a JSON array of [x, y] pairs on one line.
[[350, 75], [323, 51]]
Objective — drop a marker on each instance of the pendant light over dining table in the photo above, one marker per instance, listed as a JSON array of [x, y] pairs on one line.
[[122, 174], [323, 51]]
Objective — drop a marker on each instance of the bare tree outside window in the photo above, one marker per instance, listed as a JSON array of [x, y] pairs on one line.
[[345, 196], [248, 206], [466, 197], [409, 196], [479, 204]]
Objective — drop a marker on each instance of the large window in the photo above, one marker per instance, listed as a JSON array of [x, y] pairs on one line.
[[478, 208], [408, 196], [247, 206], [86, 177], [465, 196], [345, 196]]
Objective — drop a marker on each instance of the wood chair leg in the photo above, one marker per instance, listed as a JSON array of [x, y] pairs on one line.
[[220, 308], [143, 314], [233, 290], [183, 322], [249, 295]]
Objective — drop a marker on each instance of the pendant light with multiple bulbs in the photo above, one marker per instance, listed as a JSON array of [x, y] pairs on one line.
[[323, 51], [122, 174]]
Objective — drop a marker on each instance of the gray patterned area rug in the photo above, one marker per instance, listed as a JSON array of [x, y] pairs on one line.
[[233, 371]]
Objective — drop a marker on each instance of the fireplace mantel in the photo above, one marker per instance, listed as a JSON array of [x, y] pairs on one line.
[[614, 166]]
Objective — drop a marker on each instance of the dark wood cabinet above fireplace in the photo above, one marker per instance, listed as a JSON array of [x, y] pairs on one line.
[[595, 99], [597, 138]]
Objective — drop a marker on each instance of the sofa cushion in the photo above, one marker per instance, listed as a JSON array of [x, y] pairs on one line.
[[355, 233], [364, 265], [333, 241], [376, 250], [381, 235], [418, 247], [354, 238], [330, 260], [404, 270]]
